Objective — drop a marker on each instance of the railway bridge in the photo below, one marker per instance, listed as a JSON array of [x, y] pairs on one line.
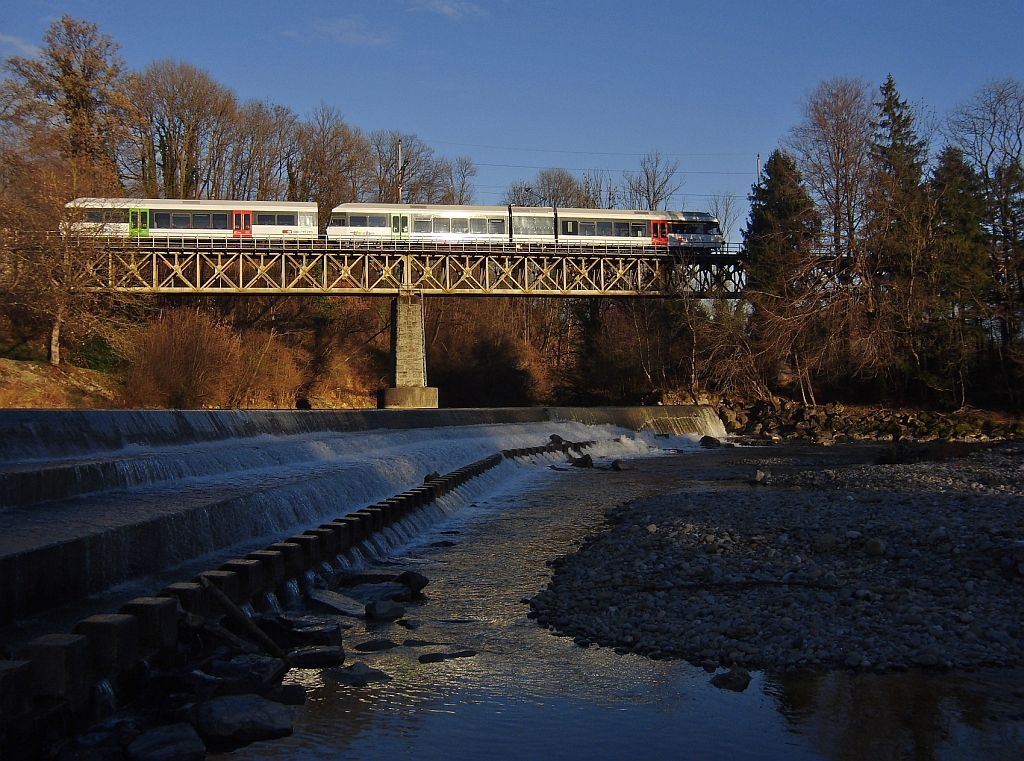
[[410, 271]]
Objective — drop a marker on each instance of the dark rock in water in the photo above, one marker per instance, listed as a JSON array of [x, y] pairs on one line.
[[438, 657], [409, 623], [419, 643], [375, 645], [357, 579], [335, 601], [242, 719], [414, 581], [317, 657], [431, 477], [286, 694], [290, 630], [616, 464], [443, 543], [176, 742], [710, 442], [356, 675], [736, 679], [390, 590], [586, 461], [246, 673], [384, 610], [556, 439]]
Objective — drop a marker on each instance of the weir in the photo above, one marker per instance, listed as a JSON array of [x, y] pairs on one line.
[[90, 499]]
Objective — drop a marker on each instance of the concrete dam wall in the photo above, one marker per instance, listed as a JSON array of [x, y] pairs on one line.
[[90, 499]]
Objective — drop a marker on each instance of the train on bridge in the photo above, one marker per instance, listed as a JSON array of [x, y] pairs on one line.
[[417, 223]]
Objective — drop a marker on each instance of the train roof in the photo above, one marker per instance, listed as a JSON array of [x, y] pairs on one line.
[[678, 216], [177, 203]]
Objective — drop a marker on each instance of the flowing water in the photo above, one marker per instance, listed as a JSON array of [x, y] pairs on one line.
[[529, 694]]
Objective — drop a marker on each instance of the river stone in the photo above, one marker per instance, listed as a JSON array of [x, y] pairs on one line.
[[175, 742], [356, 675], [414, 581], [242, 719], [710, 442], [337, 602], [388, 590], [875, 547], [384, 610], [736, 679], [317, 657], [375, 645]]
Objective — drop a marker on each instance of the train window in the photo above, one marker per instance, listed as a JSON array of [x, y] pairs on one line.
[[95, 216], [201, 221], [478, 226], [460, 225], [181, 221], [712, 229], [162, 219], [442, 225], [570, 227], [266, 219], [378, 220], [220, 221], [337, 221], [496, 226], [533, 225], [307, 220], [286, 220], [638, 229], [357, 220], [621, 229], [588, 228], [116, 215], [421, 224], [604, 228]]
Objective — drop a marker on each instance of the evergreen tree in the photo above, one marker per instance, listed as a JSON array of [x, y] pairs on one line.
[[782, 229]]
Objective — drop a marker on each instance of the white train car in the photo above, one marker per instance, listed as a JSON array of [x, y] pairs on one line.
[[174, 218], [520, 224]]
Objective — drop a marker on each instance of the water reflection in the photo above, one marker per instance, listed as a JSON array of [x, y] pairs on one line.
[[529, 694]]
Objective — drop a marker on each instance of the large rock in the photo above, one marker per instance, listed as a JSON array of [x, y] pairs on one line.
[[337, 602], [384, 610], [357, 675], [242, 719], [736, 679], [414, 581], [177, 742], [317, 657], [388, 590]]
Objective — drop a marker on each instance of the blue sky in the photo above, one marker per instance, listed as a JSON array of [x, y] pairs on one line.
[[518, 85]]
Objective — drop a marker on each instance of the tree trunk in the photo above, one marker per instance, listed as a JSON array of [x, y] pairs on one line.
[[58, 321]]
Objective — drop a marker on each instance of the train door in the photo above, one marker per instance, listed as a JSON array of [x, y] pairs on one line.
[[138, 223], [399, 227], [241, 224], [659, 233]]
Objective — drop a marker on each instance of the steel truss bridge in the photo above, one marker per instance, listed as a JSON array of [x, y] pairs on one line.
[[322, 267]]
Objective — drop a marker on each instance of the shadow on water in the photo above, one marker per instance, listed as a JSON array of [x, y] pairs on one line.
[[529, 694]]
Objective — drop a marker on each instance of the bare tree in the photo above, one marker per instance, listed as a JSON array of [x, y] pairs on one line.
[[422, 177], [832, 146], [75, 88], [263, 148], [182, 127], [458, 175], [654, 185], [725, 207]]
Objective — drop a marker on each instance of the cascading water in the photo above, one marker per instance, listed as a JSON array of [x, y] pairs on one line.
[[292, 595]]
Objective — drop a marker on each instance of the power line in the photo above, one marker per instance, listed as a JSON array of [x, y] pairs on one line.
[[578, 153], [591, 169]]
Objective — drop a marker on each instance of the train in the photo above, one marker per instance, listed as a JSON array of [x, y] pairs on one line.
[[420, 223], [173, 218]]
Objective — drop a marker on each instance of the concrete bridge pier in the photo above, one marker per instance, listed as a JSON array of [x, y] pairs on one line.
[[408, 357]]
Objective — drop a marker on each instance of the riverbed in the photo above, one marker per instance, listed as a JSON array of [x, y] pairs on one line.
[[528, 693]]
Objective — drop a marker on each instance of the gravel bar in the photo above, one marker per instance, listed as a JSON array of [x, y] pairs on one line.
[[880, 567]]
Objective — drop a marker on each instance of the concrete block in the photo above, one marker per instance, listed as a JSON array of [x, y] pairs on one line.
[[273, 563], [310, 548], [192, 599], [407, 398], [113, 642], [158, 621], [342, 534], [355, 528], [380, 517], [15, 690], [294, 558], [60, 668], [328, 541], [369, 521], [225, 581], [250, 577]]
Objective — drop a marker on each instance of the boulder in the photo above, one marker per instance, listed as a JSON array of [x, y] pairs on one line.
[[384, 610], [710, 442], [337, 602], [414, 581], [389, 590], [357, 675], [736, 679], [317, 657], [176, 742], [586, 461], [238, 720]]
